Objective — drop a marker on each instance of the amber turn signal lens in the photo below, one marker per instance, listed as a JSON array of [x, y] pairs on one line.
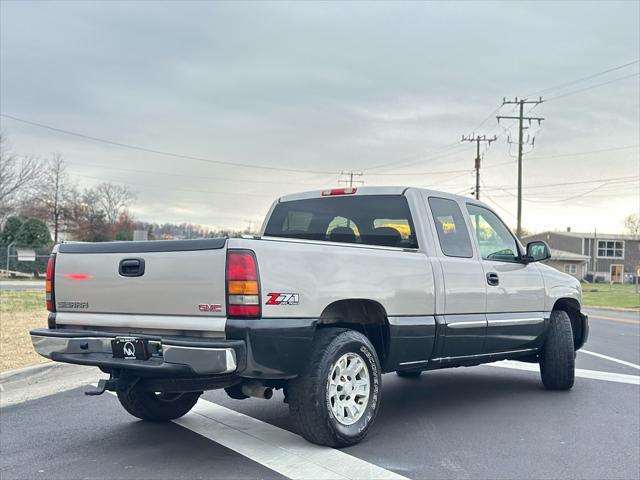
[[240, 287]]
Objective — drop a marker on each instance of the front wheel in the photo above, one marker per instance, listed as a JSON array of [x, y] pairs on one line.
[[336, 398], [157, 407], [558, 358]]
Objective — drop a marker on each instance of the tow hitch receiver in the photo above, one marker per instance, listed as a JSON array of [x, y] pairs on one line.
[[103, 385], [118, 383]]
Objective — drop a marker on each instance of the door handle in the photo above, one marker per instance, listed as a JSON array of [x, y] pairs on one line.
[[493, 279], [131, 267]]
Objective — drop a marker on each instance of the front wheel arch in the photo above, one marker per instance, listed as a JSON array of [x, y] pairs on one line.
[[572, 307]]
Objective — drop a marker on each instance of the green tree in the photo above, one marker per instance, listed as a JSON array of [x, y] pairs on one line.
[[11, 229], [33, 233]]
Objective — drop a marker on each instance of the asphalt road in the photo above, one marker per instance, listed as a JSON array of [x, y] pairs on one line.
[[480, 422]]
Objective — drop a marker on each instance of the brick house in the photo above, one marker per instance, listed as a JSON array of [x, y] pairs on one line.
[[613, 257]]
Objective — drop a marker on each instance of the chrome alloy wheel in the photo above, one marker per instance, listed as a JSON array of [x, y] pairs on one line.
[[348, 388]]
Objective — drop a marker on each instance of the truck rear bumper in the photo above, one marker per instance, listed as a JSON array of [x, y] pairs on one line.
[[169, 357]]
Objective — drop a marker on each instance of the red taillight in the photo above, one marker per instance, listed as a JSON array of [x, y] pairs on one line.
[[49, 284], [241, 266], [243, 285], [339, 191]]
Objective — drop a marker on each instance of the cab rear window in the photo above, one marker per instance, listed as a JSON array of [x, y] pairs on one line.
[[383, 220]]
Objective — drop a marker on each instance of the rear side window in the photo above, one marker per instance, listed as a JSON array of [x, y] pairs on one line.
[[453, 234], [383, 220]]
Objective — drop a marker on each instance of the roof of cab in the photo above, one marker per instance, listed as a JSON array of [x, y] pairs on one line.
[[393, 190]]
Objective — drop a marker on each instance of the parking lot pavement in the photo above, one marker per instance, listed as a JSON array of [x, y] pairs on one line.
[[480, 422]]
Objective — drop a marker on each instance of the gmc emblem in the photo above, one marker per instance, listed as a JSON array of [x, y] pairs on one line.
[[210, 307]]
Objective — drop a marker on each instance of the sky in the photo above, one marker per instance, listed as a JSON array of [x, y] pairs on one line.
[[261, 99]]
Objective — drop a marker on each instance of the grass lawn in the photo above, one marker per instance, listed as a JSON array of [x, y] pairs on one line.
[[20, 311], [614, 295]]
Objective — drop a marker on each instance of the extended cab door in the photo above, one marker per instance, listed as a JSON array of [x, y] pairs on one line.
[[463, 283], [515, 290]]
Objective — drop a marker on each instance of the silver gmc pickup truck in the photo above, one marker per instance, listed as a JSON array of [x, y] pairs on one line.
[[339, 287]]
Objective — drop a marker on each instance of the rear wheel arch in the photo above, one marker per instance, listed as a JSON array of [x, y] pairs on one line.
[[572, 307], [366, 316]]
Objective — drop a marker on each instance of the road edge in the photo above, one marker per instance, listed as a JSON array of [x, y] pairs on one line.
[[37, 381]]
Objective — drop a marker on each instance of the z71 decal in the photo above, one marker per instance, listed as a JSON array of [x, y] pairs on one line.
[[282, 299]]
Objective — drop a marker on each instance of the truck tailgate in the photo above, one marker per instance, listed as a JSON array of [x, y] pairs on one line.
[[184, 278]]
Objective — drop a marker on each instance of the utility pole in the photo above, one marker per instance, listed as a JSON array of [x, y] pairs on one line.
[[521, 118], [478, 139], [351, 181]]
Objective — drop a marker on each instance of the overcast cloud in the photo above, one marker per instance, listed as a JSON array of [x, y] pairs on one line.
[[326, 87]]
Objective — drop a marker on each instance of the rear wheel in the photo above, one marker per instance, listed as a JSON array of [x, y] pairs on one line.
[[557, 359], [157, 406], [336, 398], [409, 374]]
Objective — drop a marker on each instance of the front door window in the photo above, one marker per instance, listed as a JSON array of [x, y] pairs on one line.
[[494, 239]]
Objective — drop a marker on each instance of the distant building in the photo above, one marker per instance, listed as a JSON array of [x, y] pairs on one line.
[[140, 235], [611, 257]]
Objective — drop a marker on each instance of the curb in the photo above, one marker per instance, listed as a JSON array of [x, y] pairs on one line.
[[25, 371], [30, 383], [616, 309]]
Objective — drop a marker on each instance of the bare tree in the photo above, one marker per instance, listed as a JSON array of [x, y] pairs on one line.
[[113, 199], [18, 177], [52, 202], [86, 220], [632, 224]]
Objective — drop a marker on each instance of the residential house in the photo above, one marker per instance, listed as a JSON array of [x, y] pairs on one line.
[[612, 257]]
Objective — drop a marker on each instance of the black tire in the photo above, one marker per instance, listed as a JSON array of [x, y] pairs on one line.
[[310, 400], [557, 359], [409, 373], [157, 407]]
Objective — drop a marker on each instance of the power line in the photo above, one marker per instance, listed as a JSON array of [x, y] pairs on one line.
[[565, 199], [437, 172], [577, 154], [451, 146], [562, 184], [593, 86], [588, 77], [201, 177], [161, 152], [159, 187]]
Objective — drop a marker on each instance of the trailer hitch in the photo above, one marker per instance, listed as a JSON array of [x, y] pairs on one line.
[[103, 385], [113, 384]]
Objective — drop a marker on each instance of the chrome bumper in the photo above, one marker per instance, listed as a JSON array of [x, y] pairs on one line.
[[165, 356]]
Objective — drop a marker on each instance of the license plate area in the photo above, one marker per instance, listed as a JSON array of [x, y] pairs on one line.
[[130, 348]]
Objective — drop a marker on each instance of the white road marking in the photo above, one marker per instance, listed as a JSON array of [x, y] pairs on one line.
[[593, 374], [277, 449], [606, 357]]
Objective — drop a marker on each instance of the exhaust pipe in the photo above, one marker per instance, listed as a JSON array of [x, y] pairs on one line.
[[253, 388]]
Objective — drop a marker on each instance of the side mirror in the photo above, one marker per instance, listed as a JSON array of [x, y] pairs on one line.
[[537, 251]]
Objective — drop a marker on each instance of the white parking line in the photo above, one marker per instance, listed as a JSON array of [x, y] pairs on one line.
[[606, 357], [275, 448], [593, 374]]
